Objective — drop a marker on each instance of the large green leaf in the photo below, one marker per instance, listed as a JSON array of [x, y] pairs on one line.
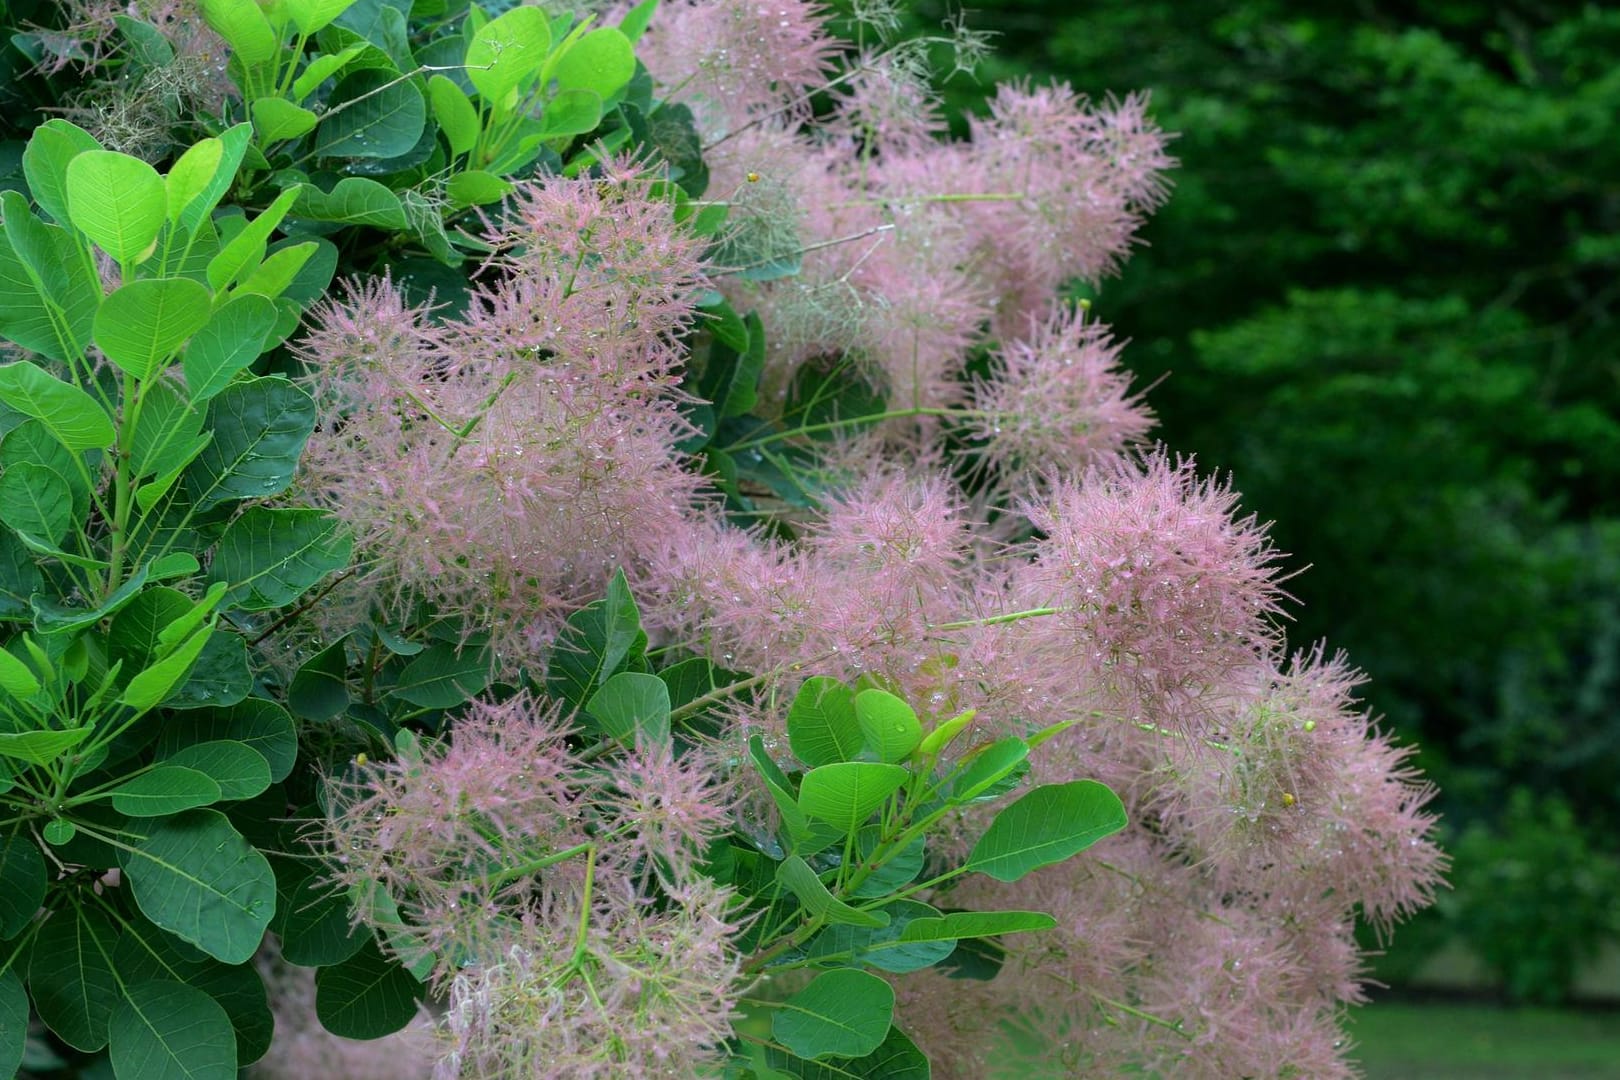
[[22, 882], [200, 178], [166, 429], [142, 325], [848, 792], [846, 1013], [822, 726], [45, 261], [167, 789], [271, 557], [244, 28], [353, 201], [240, 771], [986, 769], [632, 707], [232, 339], [51, 148], [310, 15], [196, 877], [170, 1031], [13, 1022], [889, 725], [457, 117], [221, 675], [808, 836], [507, 52], [260, 426], [256, 722], [898, 871], [797, 876], [41, 747], [19, 578], [373, 114], [602, 62], [71, 975], [36, 501], [118, 201], [366, 996], [146, 953], [315, 922], [152, 685], [443, 676], [244, 251], [1047, 825], [68, 413]]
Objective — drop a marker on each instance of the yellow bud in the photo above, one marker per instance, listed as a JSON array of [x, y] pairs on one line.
[[753, 178], [1310, 725], [361, 759], [1288, 798]]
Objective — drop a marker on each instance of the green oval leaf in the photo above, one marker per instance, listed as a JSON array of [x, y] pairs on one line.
[[442, 677], [848, 792], [13, 1022], [846, 1013], [41, 747], [240, 771], [1046, 826], [141, 326], [258, 723], [354, 200], [271, 557], [602, 61], [633, 708], [888, 724], [366, 996], [988, 767], [167, 789], [36, 502], [51, 148], [169, 1031], [885, 948], [822, 728], [68, 413], [507, 51], [373, 114], [260, 427], [973, 924], [795, 874], [196, 877], [71, 975], [118, 201], [232, 339], [22, 883]]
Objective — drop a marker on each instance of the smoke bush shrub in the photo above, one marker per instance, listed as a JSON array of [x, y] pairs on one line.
[[725, 614]]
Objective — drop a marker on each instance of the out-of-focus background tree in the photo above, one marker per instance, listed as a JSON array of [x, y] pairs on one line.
[[1385, 295]]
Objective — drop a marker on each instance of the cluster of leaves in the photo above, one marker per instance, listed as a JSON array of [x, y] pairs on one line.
[[1413, 197]]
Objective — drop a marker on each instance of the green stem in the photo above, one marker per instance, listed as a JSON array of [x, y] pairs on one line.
[[833, 425], [997, 620]]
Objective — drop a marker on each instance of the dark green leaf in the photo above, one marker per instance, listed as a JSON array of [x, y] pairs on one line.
[[353, 201], [596, 644], [988, 767], [263, 725], [319, 690], [271, 557], [795, 874], [897, 1058], [443, 676], [366, 996], [884, 948], [260, 426], [220, 676], [240, 771], [22, 882], [167, 789], [316, 926], [169, 1031], [196, 877], [232, 339], [1047, 825], [70, 414], [51, 617], [900, 869], [13, 1022], [633, 708], [373, 114], [36, 502], [71, 976], [845, 1013]]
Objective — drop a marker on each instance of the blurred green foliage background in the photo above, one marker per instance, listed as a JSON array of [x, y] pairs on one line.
[[1385, 295]]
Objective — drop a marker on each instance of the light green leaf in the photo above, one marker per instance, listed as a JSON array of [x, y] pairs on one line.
[[165, 430], [941, 737], [848, 792], [118, 201], [795, 874], [36, 502], [310, 15], [571, 112], [596, 644], [15, 677], [276, 119], [1046, 826], [888, 724], [442, 677], [167, 789], [196, 877], [271, 557], [51, 617], [457, 117], [279, 270], [64, 286], [366, 996], [260, 427], [320, 69], [988, 767], [373, 114], [603, 61], [846, 1013], [240, 771], [52, 146], [477, 188], [244, 28], [233, 338], [507, 52], [133, 636], [808, 836], [23, 882], [194, 188], [170, 1031], [822, 727], [972, 924], [141, 326], [151, 686], [260, 724], [633, 708], [636, 20], [244, 251], [71, 975], [70, 414], [353, 201]]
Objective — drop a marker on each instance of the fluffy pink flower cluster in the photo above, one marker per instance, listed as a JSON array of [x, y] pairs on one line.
[[498, 466], [526, 875]]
